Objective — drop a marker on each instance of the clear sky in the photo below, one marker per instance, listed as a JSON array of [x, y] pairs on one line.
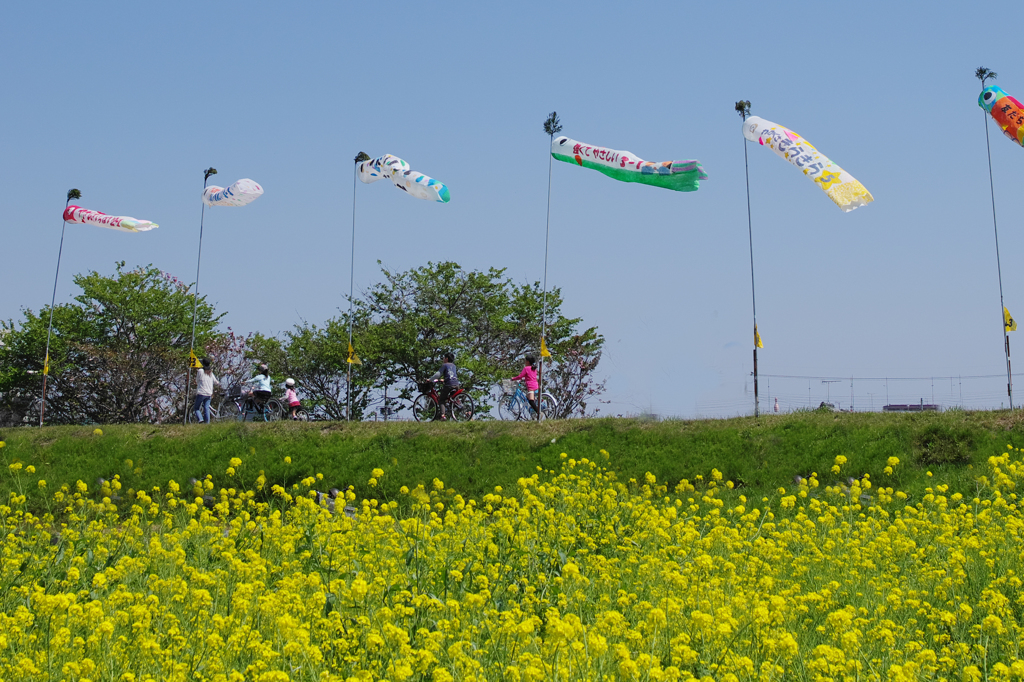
[[129, 102]]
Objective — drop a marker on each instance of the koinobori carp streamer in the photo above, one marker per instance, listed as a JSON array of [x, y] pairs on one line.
[[83, 216], [681, 176]]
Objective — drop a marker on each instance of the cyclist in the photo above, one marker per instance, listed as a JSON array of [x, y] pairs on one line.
[[205, 379], [448, 373], [529, 377], [261, 385], [289, 396]]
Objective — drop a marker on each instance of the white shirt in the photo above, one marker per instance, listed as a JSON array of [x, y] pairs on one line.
[[204, 382]]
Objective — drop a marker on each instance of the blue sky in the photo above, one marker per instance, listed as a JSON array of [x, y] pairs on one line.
[[129, 102]]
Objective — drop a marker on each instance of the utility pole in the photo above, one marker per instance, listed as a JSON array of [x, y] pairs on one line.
[[827, 387]]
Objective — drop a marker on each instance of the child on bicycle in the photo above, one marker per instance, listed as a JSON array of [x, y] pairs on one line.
[[261, 385], [448, 373], [529, 377], [290, 398]]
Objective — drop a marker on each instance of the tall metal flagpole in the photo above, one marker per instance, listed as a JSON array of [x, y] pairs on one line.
[[983, 74], [72, 194], [552, 126], [743, 109], [195, 296], [360, 157]]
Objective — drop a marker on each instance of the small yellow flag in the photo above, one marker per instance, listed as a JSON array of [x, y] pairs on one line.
[[1008, 321], [46, 365], [544, 352], [757, 338], [193, 361], [353, 359]]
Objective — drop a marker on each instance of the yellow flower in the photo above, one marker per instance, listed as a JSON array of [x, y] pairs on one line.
[[287, 460], [97, 432]]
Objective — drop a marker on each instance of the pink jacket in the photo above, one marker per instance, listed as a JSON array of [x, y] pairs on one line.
[[529, 374], [291, 398]]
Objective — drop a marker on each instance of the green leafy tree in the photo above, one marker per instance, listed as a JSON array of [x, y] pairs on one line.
[[118, 354], [410, 320], [316, 357]]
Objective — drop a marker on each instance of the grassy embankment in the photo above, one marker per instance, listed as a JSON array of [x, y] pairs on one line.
[[759, 455]]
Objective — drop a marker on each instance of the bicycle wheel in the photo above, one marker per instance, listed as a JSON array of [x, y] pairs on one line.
[[225, 409], [274, 410], [301, 415], [190, 416], [548, 405], [462, 407], [508, 408], [424, 408]]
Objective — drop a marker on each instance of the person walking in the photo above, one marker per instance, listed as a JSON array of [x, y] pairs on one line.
[[205, 380]]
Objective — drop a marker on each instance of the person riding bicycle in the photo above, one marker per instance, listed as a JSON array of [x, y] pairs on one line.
[[529, 377], [448, 373], [290, 398], [261, 385]]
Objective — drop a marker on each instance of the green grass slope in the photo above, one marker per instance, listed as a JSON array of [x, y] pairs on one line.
[[759, 455]]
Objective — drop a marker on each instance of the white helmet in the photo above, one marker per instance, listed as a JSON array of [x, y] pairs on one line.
[[289, 382]]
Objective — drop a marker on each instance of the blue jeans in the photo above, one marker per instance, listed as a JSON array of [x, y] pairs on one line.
[[201, 408]]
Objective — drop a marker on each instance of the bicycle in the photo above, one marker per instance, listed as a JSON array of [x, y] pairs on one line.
[[285, 412], [427, 406], [514, 406], [241, 406]]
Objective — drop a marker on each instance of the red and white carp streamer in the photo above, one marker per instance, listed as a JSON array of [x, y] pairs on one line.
[[83, 216]]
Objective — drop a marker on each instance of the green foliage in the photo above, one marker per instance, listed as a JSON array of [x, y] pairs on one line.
[[941, 444], [118, 354], [316, 357], [552, 124], [406, 324], [403, 326]]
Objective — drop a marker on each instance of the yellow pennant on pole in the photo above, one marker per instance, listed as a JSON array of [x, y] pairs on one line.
[[544, 352], [1008, 321], [353, 359], [757, 338], [193, 361], [46, 365]]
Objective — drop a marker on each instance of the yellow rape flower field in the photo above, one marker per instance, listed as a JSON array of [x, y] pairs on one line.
[[574, 576]]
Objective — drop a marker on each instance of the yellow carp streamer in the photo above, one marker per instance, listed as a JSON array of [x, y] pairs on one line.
[[575, 577], [840, 186]]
